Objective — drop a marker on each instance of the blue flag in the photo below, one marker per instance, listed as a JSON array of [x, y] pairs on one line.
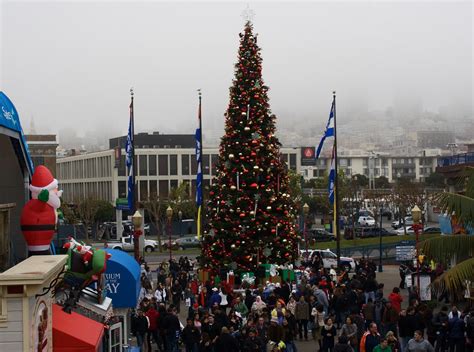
[[329, 132], [332, 180], [129, 162], [198, 137]]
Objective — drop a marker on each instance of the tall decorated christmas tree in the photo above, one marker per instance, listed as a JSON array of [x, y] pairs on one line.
[[250, 214]]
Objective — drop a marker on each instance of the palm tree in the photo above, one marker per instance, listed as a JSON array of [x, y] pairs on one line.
[[457, 248]]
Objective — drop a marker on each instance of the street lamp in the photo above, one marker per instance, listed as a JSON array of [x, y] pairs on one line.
[[137, 220], [169, 215], [417, 227], [180, 216], [305, 215]]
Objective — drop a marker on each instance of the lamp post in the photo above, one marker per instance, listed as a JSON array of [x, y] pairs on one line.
[[169, 215], [180, 217], [380, 240], [305, 214], [137, 220], [417, 227]]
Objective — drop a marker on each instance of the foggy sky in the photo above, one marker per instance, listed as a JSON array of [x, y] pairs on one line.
[[70, 65]]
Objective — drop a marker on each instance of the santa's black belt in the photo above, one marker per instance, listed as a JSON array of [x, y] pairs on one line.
[[37, 227]]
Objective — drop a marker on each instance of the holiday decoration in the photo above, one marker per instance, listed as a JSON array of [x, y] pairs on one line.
[[39, 215], [92, 262], [250, 214]]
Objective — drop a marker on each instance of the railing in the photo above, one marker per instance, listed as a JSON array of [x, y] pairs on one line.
[[458, 159]]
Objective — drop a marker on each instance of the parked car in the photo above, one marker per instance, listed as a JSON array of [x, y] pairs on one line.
[[320, 235], [127, 244], [397, 223], [431, 229], [366, 221], [401, 231], [329, 259], [366, 232], [365, 212], [182, 243], [188, 242]]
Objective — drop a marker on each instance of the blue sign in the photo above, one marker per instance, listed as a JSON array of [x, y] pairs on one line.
[[9, 119], [122, 279]]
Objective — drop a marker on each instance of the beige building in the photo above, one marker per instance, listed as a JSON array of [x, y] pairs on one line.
[[373, 165], [103, 174]]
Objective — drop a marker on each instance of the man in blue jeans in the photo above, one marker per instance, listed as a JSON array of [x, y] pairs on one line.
[[140, 327]]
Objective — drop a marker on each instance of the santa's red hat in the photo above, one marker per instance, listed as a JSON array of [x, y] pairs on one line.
[[42, 179]]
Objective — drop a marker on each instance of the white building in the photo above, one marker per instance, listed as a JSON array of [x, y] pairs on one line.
[[416, 166], [103, 176]]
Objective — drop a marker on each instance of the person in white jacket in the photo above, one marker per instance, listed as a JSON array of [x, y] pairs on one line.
[[224, 303]]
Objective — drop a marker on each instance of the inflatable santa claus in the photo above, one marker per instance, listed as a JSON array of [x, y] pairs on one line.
[[39, 215]]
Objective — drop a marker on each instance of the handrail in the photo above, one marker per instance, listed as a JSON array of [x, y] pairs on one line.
[[463, 158]]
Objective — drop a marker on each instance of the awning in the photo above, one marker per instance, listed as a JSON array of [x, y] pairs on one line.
[[74, 332], [122, 279], [10, 119]]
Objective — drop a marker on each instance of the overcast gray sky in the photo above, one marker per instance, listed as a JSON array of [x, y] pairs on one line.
[[71, 64]]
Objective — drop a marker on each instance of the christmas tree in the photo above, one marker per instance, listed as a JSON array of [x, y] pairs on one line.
[[250, 214]]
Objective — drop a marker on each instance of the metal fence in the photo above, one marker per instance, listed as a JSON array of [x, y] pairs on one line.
[[458, 159]]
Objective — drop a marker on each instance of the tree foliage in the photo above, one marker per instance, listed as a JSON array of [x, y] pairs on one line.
[[459, 248], [250, 212]]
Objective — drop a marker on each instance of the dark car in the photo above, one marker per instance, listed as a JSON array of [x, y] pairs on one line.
[[432, 230], [320, 235], [366, 232]]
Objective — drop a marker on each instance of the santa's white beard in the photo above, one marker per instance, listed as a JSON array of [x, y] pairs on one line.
[[54, 199]]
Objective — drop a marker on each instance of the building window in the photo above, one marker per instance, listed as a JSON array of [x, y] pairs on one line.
[[214, 159], [121, 167], [152, 165], [173, 184], [193, 165], [143, 190], [153, 189], [185, 164], [163, 165], [122, 189], [37, 160], [205, 164], [143, 165], [173, 164], [293, 161], [315, 173], [164, 188]]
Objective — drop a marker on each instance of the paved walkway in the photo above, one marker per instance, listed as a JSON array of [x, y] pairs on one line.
[[390, 277]]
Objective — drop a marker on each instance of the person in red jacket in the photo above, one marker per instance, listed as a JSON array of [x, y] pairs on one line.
[[396, 299], [152, 316]]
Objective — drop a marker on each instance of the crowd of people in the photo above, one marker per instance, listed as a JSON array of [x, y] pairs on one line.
[[338, 311]]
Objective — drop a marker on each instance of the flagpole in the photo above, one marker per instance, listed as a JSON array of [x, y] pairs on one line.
[[199, 230], [336, 188], [134, 167]]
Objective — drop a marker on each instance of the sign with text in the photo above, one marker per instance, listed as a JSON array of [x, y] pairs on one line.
[[405, 253], [122, 279], [308, 156]]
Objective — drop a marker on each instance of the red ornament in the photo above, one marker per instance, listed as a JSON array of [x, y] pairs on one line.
[[254, 185]]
